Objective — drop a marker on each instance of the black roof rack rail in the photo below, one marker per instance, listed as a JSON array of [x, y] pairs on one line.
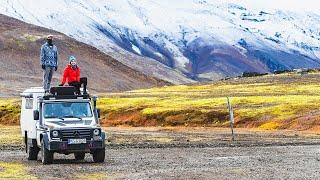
[[65, 92], [48, 97]]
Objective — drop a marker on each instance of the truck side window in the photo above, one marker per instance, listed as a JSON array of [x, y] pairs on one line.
[[29, 103]]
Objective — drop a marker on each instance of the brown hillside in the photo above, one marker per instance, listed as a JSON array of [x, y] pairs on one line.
[[19, 61]]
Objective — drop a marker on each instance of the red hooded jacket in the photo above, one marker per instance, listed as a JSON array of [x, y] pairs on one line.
[[71, 75]]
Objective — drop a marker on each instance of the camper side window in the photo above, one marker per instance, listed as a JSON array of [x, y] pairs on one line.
[[29, 103]]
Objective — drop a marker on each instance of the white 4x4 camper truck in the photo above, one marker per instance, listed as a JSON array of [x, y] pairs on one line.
[[61, 123]]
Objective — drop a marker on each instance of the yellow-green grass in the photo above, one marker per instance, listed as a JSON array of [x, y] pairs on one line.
[[9, 111], [31, 37], [14, 170], [93, 176], [288, 101], [251, 108], [10, 135], [273, 102]]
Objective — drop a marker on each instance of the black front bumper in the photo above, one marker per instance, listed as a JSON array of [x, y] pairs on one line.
[[64, 147]]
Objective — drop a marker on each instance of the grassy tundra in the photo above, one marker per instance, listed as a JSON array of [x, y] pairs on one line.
[[287, 101]]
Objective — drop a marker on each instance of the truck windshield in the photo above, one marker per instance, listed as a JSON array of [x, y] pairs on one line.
[[67, 110]]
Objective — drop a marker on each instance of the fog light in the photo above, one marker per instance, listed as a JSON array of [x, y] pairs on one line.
[[55, 133], [96, 132]]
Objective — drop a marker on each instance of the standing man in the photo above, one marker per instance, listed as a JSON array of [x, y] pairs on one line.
[[49, 62]]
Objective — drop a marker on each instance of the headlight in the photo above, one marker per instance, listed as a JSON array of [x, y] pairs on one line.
[[55, 133], [96, 132]]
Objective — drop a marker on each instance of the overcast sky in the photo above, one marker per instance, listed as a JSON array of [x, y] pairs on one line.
[[293, 5]]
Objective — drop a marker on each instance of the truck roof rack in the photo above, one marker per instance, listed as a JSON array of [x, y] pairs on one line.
[[65, 92], [48, 97]]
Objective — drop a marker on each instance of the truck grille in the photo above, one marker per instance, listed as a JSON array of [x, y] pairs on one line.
[[76, 133]]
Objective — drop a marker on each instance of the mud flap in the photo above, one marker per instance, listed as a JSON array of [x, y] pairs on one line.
[[32, 142]]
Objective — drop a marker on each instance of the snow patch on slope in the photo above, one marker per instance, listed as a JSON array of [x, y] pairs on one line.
[[166, 30]]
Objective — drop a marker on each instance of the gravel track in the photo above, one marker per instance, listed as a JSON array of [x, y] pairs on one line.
[[274, 162], [262, 156]]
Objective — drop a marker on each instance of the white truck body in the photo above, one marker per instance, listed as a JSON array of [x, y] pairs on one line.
[[49, 123]]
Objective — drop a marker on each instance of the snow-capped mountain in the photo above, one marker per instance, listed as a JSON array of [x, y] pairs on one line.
[[189, 39]]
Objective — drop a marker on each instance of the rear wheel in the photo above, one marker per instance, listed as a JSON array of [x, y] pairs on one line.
[[99, 155], [32, 153], [79, 156], [46, 155]]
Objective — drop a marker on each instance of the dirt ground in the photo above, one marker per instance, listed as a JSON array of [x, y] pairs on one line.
[[187, 153]]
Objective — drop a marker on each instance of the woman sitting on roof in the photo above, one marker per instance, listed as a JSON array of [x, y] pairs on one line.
[[71, 75]]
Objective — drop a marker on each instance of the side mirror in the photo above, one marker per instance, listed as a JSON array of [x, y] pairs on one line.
[[36, 115], [98, 112]]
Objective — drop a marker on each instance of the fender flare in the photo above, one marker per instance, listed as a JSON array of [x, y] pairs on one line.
[[103, 137], [45, 139]]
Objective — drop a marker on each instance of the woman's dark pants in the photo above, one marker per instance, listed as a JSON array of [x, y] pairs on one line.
[[83, 81]]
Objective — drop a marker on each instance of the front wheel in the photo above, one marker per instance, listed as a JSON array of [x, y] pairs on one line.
[[46, 155], [99, 155]]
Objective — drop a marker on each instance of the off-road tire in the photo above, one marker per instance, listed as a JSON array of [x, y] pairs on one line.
[[32, 152], [99, 155], [46, 155], [79, 156]]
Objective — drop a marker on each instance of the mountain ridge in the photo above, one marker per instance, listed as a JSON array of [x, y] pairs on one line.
[[184, 42], [20, 65]]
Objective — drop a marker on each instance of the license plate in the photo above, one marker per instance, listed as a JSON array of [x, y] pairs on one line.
[[77, 141]]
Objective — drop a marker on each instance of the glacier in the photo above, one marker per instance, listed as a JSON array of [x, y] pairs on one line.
[[192, 40]]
